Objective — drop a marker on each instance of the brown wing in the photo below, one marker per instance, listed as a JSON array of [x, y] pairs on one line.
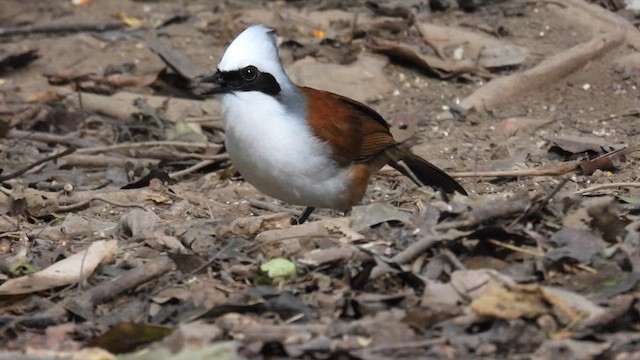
[[355, 131]]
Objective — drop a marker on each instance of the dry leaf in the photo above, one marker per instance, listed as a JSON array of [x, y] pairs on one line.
[[508, 303], [73, 269]]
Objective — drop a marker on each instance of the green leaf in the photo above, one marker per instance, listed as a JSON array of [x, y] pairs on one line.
[[279, 269]]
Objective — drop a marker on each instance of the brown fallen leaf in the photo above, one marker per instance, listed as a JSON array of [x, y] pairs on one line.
[[469, 47], [295, 240], [568, 146], [442, 69], [508, 303]]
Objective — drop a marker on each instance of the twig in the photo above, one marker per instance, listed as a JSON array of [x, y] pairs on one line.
[[59, 28], [634, 112], [69, 139], [608, 186], [38, 162], [535, 253], [176, 156], [83, 203], [560, 169], [517, 249], [413, 251], [263, 205], [416, 249], [105, 161], [191, 169], [146, 144], [83, 305], [405, 345], [539, 206]]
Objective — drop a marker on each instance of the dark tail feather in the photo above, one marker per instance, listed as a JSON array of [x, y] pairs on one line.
[[422, 172]]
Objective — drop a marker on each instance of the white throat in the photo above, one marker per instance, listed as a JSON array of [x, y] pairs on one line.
[[275, 150]]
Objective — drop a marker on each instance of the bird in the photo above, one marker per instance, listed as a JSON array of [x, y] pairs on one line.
[[301, 145]]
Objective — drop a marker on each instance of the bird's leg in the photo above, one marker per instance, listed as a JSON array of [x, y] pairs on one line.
[[303, 217]]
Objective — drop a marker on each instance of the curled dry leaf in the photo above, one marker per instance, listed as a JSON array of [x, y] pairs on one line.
[[73, 269]]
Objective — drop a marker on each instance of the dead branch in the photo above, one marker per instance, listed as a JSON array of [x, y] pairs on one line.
[[263, 205], [59, 28], [597, 17], [122, 104], [608, 186], [147, 144], [117, 197], [541, 204], [69, 140], [191, 169], [36, 163], [417, 248], [561, 169], [105, 161], [83, 305], [84, 203], [553, 69]]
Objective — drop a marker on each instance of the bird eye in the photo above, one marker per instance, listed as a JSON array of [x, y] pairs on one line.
[[249, 73]]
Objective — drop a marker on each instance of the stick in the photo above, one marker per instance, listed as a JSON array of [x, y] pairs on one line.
[[59, 28], [83, 305], [539, 206], [608, 186], [560, 169], [263, 205], [83, 203], [555, 68], [69, 139], [105, 161], [144, 144], [191, 169], [32, 165]]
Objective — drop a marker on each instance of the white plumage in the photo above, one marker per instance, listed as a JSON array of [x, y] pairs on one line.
[[268, 138]]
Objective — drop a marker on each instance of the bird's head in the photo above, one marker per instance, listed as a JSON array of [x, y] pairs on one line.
[[250, 63]]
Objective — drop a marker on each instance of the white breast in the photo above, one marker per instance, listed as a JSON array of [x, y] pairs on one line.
[[276, 152]]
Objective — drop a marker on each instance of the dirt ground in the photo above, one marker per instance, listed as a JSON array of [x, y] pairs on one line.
[[126, 233]]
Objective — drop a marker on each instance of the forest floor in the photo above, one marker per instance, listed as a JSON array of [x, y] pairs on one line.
[[126, 233]]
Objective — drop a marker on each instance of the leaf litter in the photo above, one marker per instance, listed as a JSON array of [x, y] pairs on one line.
[[124, 226]]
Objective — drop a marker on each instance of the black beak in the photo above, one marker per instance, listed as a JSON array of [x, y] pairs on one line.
[[217, 79]]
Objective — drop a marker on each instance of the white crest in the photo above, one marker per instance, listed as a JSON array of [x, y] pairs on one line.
[[255, 46]]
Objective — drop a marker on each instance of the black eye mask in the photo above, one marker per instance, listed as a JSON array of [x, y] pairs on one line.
[[246, 79]]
